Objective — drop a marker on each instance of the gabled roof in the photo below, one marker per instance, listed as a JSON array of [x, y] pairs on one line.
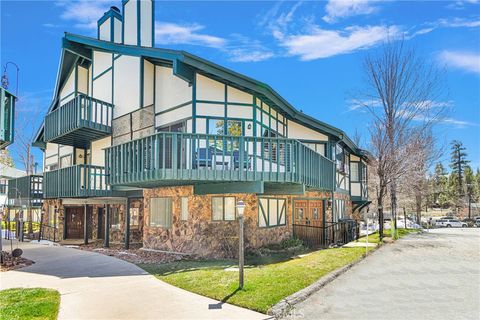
[[184, 66]]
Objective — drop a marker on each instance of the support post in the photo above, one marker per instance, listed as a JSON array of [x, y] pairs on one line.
[[107, 227], [240, 253], [85, 228], [127, 225]]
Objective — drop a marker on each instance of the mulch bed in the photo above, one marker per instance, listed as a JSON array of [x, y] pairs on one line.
[[134, 254], [11, 263]]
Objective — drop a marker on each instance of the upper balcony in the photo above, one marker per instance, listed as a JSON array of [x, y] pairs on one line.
[[79, 121], [166, 158], [7, 111], [26, 191], [78, 181]]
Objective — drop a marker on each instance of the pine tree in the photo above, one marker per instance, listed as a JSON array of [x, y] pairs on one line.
[[458, 163], [477, 186], [440, 185]]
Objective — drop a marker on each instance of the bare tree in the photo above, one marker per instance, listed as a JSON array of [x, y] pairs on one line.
[[402, 93]]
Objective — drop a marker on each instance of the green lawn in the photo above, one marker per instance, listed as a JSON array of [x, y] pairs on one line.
[[266, 282], [24, 304], [375, 237]]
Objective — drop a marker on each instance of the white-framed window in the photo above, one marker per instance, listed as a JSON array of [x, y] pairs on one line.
[[184, 209], [160, 212], [223, 208], [271, 212]]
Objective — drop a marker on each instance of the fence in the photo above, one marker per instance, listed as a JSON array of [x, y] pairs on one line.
[[334, 233]]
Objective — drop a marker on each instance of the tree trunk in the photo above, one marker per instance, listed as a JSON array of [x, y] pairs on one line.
[[380, 217], [418, 205], [393, 200]]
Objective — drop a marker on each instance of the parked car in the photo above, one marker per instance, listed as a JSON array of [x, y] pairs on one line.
[[477, 222], [450, 223]]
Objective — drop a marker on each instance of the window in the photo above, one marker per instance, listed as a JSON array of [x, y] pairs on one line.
[[223, 208], [114, 218], [52, 217], [215, 126], [184, 209], [160, 212], [339, 210], [355, 174], [3, 186], [271, 212], [66, 161], [134, 217]]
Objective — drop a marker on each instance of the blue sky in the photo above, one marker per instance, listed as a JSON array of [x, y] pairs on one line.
[[311, 52]]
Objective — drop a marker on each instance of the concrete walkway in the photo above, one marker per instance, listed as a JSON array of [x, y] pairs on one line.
[[95, 286], [433, 275]]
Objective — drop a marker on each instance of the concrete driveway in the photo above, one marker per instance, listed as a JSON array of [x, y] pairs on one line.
[[433, 275], [95, 286]]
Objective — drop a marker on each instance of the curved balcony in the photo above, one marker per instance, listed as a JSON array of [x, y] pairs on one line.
[[79, 121], [167, 158]]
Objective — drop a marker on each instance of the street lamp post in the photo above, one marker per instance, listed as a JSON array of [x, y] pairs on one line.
[[241, 254]]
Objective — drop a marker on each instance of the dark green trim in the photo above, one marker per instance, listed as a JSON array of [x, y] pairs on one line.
[[266, 213], [102, 73], [173, 108], [281, 188], [228, 187]]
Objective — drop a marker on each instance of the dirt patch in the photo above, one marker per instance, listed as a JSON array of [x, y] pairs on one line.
[[135, 254], [11, 263]]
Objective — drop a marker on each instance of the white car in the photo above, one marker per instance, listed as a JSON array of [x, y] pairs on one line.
[[450, 223]]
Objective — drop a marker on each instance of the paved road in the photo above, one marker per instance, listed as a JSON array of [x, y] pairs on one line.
[[432, 275], [95, 286]]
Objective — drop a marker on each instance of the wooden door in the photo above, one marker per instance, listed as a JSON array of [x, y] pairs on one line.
[[74, 222], [309, 212]]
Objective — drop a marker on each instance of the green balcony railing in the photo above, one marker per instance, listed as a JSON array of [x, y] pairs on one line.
[[7, 111], [77, 181], [79, 121], [27, 190], [169, 156]]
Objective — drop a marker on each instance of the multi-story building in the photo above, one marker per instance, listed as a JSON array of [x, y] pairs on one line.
[[154, 146]]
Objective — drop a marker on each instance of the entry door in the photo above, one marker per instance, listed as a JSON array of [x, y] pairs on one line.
[[75, 220], [309, 212]]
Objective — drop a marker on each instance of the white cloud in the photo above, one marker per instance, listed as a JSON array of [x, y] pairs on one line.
[[337, 9], [84, 13], [462, 60], [320, 43], [171, 33]]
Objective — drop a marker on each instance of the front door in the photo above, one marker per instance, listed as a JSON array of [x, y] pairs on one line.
[[308, 212], [74, 222]]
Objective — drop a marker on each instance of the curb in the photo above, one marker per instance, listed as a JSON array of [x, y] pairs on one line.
[[285, 305]]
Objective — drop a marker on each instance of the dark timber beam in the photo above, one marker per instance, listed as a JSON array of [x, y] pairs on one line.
[[107, 227], [85, 226], [127, 225], [228, 187]]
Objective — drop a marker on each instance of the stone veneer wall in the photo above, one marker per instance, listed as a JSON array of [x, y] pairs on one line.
[[48, 232], [134, 125], [201, 236]]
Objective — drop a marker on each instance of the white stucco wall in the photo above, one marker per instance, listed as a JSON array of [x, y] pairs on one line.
[[82, 85], [127, 85], [170, 91], [101, 62], [173, 116], [148, 82], [235, 95], [117, 26], [96, 153], [297, 131], [105, 30], [69, 86], [209, 89], [130, 22], [102, 87], [146, 27]]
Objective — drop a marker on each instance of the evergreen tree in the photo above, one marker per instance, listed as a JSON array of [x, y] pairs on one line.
[[477, 186], [440, 185], [458, 163]]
